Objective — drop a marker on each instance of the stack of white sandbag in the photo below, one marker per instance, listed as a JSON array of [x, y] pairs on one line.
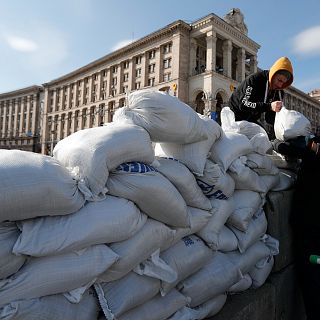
[[161, 223], [33, 188]]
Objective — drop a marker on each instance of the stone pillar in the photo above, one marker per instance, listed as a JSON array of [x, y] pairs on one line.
[[253, 64], [54, 100], [227, 62], [22, 106], [211, 50], [45, 129], [28, 115], [15, 121], [241, 70], [4, 120], [34, 114], [193, 60], [10, 119]]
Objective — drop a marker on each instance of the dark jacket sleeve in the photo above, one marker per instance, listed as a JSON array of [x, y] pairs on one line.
[[298, 147], [252, 94]]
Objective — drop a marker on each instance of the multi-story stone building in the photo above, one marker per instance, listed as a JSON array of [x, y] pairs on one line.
[[201, 63], [20, 113]]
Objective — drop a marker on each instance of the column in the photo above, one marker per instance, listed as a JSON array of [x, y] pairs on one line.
[[227, 49], [4, 121], [21, 128], [241, 70], [45, 129], [211, 50], [253, 64], [15, 121], [193, 59], [10, 119], [34, 114]]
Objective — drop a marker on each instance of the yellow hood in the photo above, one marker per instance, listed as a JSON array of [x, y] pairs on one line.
[[282, 63]]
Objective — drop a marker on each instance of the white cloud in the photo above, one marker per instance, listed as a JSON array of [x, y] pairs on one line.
[[121, 44], [307, 42], [21, 44]]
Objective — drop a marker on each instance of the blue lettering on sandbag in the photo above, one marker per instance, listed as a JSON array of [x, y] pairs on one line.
[[135, 167], [187, 241]]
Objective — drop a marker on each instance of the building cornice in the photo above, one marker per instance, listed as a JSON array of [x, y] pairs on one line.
[[131, 48], [298, 93], [21, 92]]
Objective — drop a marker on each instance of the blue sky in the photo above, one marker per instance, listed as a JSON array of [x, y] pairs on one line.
[[41, 40]]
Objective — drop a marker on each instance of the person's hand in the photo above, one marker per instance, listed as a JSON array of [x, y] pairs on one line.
[[276, 106]]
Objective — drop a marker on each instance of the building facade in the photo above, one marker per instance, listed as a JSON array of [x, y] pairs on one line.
[[201, 63], [20, 113]]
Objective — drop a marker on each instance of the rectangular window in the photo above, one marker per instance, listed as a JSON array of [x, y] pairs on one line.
[[138, 59], [126, 64], [167, 48], [152, 54], [138, 73], [125, 77], [114, 69], [167, 77], [151, 68], [137, 85], [151, 82], [167, 63]]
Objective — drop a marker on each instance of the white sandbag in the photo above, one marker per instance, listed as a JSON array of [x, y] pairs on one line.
[[53, 307], [215, 278], [228, 120], [229, 147], [152, 192], [227, 240], [244, 177], [56, 274], [243, 284], [215, 182], [157, 308], [157, 268], [198, 219], [221, 211], [96, 151], [35, 185], [152, 236], [110, 220], [246, 261], [261, 144], [9, 262], [165, 117], [249, 129], [256, 229], [186, 257], [207, 309], [182, 178], [193, 155], [119, 296], [247, 203], [260, 275], [282, 162], [270, 182], [289, 124], [261, 270], [261, 164], [287, 180]]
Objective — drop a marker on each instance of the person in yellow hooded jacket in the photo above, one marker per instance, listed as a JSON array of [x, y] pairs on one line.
[[262, 92]]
